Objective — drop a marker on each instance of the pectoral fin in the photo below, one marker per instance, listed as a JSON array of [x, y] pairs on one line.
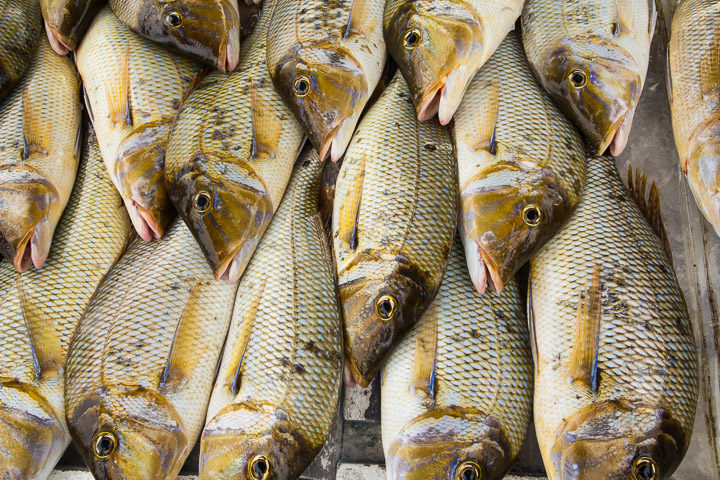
[[359, 22], [36, 134], [531, 326], [710, 68], [423, 376], [118, 92], [625, 17], [266, 129], [350, 210], [583, 357], [45, 344], [485, 119]]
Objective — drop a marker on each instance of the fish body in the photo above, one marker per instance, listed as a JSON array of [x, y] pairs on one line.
[[592, 57], [66, 21], [694, 91], [326, 58], [230, 157], [616, 371], [279, 381], [39, 153], [140, 368], [516, 189], [206, 30], [39, 311], [439, 45], [20, 30], [134, 89], [394, 218], [457, 390]]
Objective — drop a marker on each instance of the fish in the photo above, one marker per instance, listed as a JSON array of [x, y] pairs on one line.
[[325, 59], [208, 31], [20, 30], [41, 128], [439, 45], [394, 218], [272, 408], [694, 92], [230, 156], [616, 382], [516, 189], [140, 367], [66, 21], [592, 57], [447, 414], [133, 91]]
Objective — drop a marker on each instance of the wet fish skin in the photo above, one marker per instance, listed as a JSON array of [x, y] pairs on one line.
[[280, 402], [325, 59], [140, 368], [592, 57], [506, 175], [39, 310], [206, 30], [394, 218], [694, 95], [616, 368], [39, 154], [230, 156], [134, 89], [66, 21], [453, 39], [20, 30]]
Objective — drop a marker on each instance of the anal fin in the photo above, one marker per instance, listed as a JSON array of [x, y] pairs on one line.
[[46, 348], [637, 186], [423, 375], [583, 368]]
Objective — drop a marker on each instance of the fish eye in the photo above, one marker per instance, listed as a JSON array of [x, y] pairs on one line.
[[386, 307], [531, 215], [468, 470], [412, 38], [577, 78], [259, 467], [173, 19], [202, 201], [301, 86], [104, 444], [644, 468]]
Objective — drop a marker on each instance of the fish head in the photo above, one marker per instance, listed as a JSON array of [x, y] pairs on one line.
[[437, 46], [227, 207], [703, 173], [507, 214], [598, 87], [619, 440], [326, 90], [30, 204], [134, 434], [450, 443], [66, 22], [245, 441]]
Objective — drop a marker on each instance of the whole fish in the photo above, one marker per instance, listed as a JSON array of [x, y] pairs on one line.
[[20, 30], [140, 368], [39, 153], [326, 59], [394, 219], [230, 157], [39, 311], [133, 90], [616, 373], [206, 30], [592, 57], [279, 381], [439, 45], [694, 91], [516, 189], [66, 21], [457, 390]]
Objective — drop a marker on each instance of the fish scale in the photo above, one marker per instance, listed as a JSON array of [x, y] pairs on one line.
[[20, 30]]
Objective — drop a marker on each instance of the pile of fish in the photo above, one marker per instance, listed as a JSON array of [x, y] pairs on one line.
[[188, 266]]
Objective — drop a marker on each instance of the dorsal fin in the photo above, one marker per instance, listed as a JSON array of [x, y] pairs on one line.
[[265, 128], [650, 208], [486, 118], [423, 376], [36, 136], [350, 210], [583, 357], [118, 92], [710, 68]]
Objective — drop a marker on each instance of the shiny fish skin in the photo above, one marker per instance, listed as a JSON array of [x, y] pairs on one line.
[[66, 21], [279, 382], [506, 173], [39, 152], [335, 48], [476, 406], [453, 40], [140, 368], [592, 57], [20, 30], [134, 90], [206, 30], [694, 91], [39, 311], [394, 219], [230, 156], [645, 392]]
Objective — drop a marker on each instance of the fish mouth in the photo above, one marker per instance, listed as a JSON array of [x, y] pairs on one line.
[[484, 273], [617, 136], [145, 223], [340, 137], [230, 54], [429, 103], [60, 47], [233, 268], [443, 98], [30, 250]]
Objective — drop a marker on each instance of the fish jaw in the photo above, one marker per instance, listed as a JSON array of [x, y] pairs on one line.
[[342, 137], [57, 43], [429, 103], [230, 55], [483, 270]]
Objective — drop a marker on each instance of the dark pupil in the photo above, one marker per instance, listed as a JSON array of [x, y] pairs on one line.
[[302, 86], [412, 38], [260, 468], [105, 445], [202, 202], [577, 78], [469, 474], [532, 215], [645, 471], [174, 19], [385, 307]]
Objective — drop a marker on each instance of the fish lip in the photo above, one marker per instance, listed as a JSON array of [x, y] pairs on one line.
[[23, 256], [146, 226], [225, 270], [230, 53], [491, 275], [325, 149], [60, 47], [429, 103], [612, 135]]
